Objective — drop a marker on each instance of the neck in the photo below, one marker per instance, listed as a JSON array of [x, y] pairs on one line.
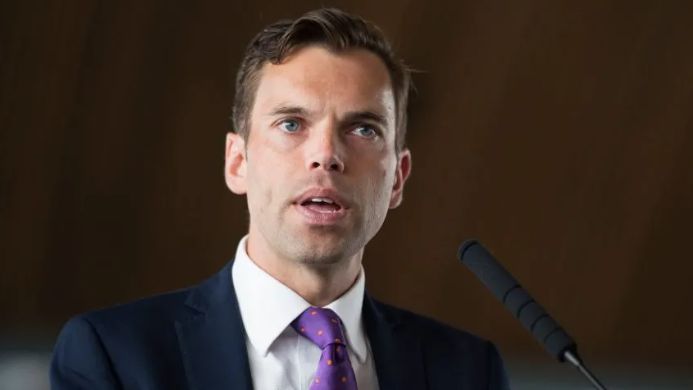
[[318, 283]]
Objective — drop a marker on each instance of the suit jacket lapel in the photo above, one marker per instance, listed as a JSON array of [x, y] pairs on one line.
[[212, 341], [397, 352], [212, 337]]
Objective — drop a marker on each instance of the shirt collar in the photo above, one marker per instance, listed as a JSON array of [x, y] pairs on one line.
[[268, 306]]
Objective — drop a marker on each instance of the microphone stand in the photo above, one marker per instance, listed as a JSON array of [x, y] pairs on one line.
[[532, 316], [575, 360]]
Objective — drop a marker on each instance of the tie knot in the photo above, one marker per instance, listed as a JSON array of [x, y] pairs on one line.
[[321, 326]]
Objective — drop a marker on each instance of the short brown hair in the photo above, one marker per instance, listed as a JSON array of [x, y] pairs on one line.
[[335, 29]]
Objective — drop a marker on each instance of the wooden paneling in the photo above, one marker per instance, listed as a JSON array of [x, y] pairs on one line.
[[558, 133]]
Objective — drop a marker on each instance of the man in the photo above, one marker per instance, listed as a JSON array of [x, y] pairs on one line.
[[320, 117]]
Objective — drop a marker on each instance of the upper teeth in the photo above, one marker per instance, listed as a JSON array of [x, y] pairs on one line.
[[323, 200]]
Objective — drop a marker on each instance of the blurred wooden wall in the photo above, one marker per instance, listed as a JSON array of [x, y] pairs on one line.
[[558, 133]]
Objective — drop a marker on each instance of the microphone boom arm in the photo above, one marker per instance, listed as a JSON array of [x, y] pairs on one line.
[[532, 316]]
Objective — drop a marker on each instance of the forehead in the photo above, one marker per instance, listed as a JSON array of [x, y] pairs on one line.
[[322, 80]]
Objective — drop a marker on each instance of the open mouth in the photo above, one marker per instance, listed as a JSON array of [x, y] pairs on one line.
[[321, 204]]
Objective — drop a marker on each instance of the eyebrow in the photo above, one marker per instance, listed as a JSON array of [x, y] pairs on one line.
[[349, 117], [366, 116], [289, 110]]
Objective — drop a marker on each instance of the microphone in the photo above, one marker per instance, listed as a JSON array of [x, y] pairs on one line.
[[532, 315]]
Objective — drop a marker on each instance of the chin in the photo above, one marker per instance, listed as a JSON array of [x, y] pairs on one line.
[[321, 262], [323, 251], [321, 255]]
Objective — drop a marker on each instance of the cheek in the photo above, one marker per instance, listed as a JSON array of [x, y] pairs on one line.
[[387, 174], [380, 188], [260, 192], [271, 175]]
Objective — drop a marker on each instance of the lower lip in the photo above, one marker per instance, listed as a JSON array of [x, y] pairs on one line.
[[319, 217]]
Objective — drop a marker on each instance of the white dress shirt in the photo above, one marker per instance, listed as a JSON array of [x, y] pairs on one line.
[[280, 358]]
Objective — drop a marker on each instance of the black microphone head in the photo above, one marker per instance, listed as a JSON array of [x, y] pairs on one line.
[[463, 248], [509, 291], [489, 271]]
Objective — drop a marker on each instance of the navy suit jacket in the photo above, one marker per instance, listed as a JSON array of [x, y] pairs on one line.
[[194, 339]]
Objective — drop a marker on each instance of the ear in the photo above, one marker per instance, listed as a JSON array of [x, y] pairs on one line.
[[235, 163], [401, 176]]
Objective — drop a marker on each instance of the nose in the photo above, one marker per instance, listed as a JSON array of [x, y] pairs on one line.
[[325, 151]]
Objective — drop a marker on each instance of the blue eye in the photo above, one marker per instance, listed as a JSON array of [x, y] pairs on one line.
[[365, 132], [289, 125]]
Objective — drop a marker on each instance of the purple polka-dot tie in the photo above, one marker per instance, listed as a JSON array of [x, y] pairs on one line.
[[323, 328]]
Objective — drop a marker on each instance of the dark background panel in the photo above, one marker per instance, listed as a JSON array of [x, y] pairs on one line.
[[558, 133]]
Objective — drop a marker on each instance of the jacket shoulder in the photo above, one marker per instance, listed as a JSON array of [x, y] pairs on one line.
[[449, 352], [138, 323], [141, 312], [111, 347], [427, 328]]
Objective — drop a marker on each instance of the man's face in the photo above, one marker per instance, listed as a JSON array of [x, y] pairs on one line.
[[319, 167]]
